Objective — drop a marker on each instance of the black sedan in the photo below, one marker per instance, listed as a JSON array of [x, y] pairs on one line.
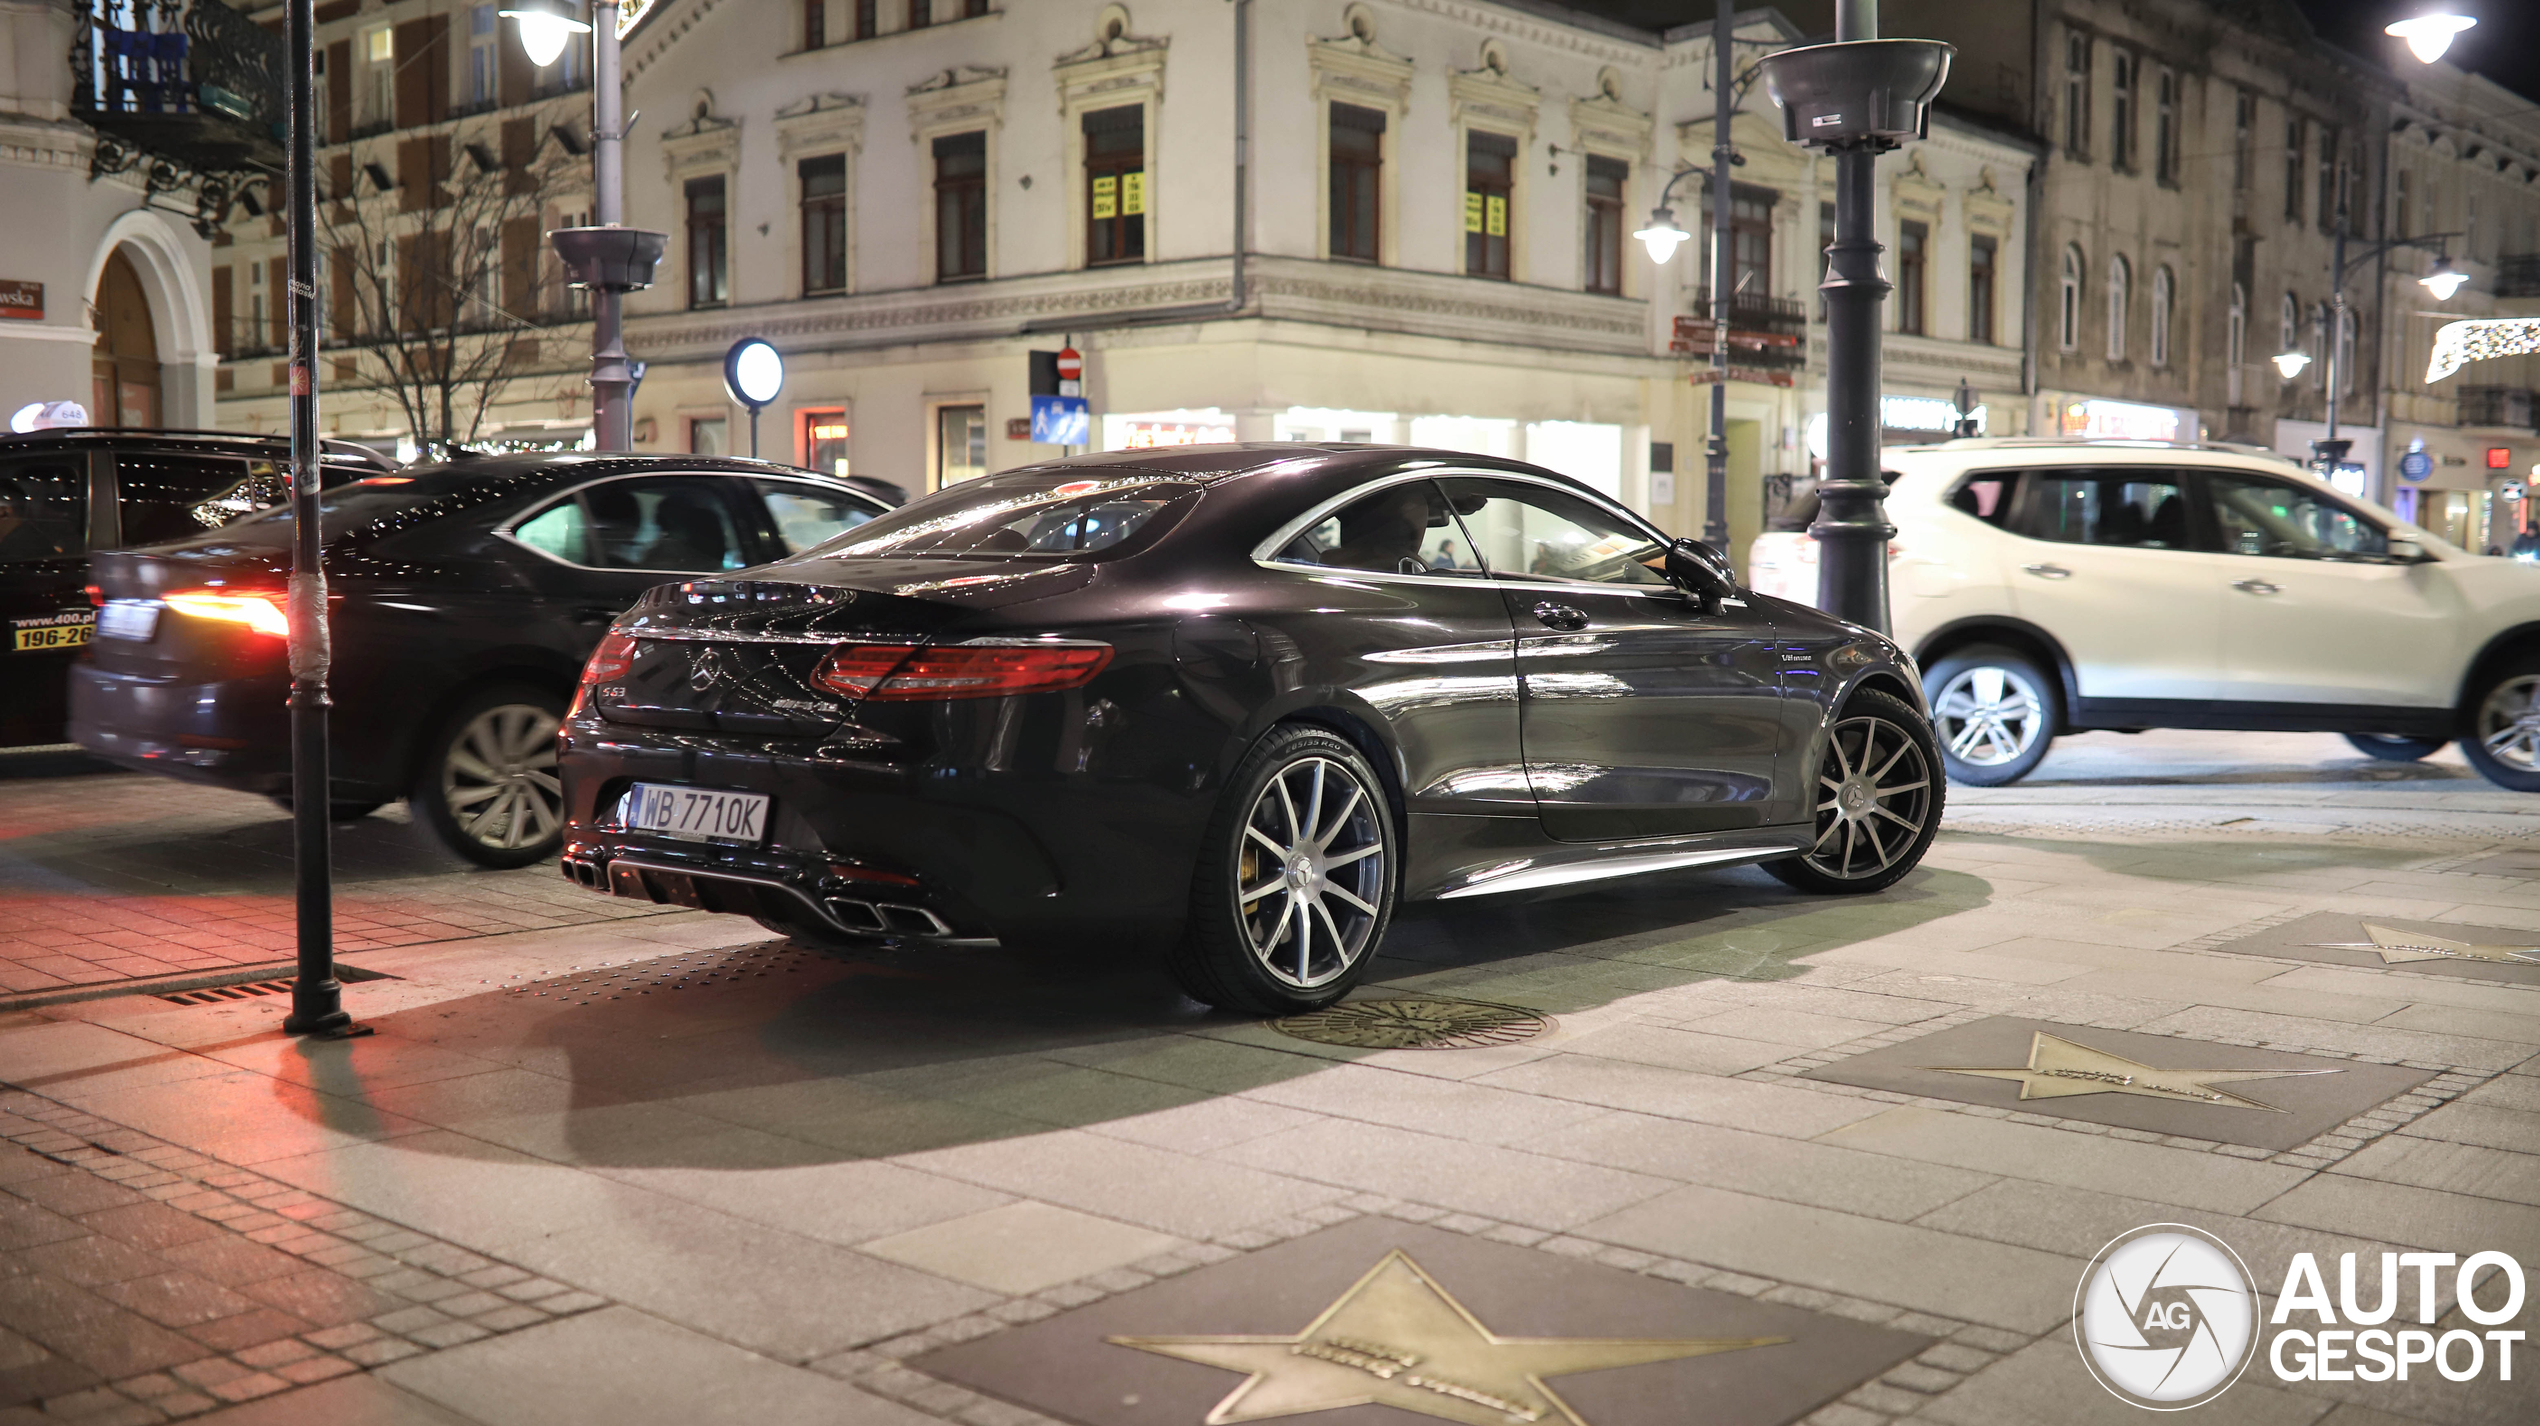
[[1259, 693], [462, 598]]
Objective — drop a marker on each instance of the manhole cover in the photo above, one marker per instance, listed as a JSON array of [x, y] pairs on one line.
[[1416, 1024]]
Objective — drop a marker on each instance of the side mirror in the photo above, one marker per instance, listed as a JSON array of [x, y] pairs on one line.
[[2406, 551], [1701, 570]]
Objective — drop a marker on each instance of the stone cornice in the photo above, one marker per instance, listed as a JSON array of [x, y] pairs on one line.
[[955, 98], [1351, 68], [821, 121]]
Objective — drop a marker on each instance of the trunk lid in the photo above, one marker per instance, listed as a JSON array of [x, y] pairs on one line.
[[174, 646], [738, 655]]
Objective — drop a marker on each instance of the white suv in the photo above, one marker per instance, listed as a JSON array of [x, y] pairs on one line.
[[2051, 587]]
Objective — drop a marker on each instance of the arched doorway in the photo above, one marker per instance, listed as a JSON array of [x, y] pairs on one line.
[[126, 363]]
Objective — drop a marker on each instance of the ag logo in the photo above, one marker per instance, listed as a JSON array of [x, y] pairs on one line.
[[2166, 1317]]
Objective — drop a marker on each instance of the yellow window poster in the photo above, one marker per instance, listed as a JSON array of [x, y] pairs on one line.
[[1107, 196], [1133, 193], [1498, 217], [1472, 211]]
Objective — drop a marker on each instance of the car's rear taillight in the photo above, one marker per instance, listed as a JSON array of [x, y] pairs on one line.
[[906, 673], [614, 656], [257, 611], [97, 595]]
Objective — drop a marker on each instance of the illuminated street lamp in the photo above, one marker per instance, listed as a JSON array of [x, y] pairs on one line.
[[545, 29], [2428, 36], [1662, 237], [753, 373], [2290, 364], [2444, 280]]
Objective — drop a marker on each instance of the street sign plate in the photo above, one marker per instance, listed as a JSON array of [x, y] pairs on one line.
[[1061, 421], [2416, 465]]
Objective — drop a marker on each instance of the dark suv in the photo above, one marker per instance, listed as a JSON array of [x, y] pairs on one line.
[[67, 493]]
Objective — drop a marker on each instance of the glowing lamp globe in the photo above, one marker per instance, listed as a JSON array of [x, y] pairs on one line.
[[1662, 237], [544, 32], [753, 372], [2443, 281], [2428, 36], [2290, 364]]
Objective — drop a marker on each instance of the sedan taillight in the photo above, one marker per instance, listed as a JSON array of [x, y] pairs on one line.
[[614, 656], [906, 673], [262, 613]]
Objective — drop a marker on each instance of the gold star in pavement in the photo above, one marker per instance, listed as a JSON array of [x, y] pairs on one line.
[[2058, 1068], [2398, 946], [1397, 1338]]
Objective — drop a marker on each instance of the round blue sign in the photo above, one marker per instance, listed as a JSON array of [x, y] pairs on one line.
[[2416, 465]]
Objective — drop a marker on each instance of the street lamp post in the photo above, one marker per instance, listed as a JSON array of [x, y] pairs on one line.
[[753, 373], [1856, 98], [2443, 281], [608, 258]]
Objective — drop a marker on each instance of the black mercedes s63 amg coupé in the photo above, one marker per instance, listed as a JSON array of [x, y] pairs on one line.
[[1262, 694]]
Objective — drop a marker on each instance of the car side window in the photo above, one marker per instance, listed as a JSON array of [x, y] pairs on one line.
[[169, 497], [1536, 532], [43, 511], [1401, 529], [2129, 509], [677, 523], [2261, 516], [1987, 495], [805, 515], [559, 530]]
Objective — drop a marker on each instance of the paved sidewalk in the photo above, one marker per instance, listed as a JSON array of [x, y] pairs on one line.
[[769, 1185], [108, 876]]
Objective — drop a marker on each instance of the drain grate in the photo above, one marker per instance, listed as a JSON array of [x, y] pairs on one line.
[[250, 989], [1414, 1023]]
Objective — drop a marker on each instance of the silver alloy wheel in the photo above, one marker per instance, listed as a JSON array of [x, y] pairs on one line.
[[1988, 716], [1875, 799], [2509, 723], [1312, 873], [498, 777]]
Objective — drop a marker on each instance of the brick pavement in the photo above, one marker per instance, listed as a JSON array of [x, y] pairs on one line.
[[109, 876]]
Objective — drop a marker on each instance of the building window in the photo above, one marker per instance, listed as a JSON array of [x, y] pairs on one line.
[[1605, 178], [2068, 301], [961, 444], [2120, 298], [2236, 342], [2288, 327], [709, 274], [815, 23], [1357, 160], [1982, 250], [483, 29], [2244, 128], [921, 13], [709, 435], [961, 206], [2345, 354], [1490, 172], [2077, 95], [2317, 345], [2161, 296], [824, 440], [1913, 240], [2329, 187], [1116, 185], [379, 77], [2293, 170], [1751, 242], [2165, 130], [2399, 205], [824, 185], [868, 19], [2121, 111]]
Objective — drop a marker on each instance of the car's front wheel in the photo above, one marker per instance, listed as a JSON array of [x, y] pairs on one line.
[[1295, 880], [1878, 799], [2502, 736], [487, 783], [2392, 748], [1993, 712]]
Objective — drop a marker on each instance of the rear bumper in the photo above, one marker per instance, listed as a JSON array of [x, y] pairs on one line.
[[232, 733]]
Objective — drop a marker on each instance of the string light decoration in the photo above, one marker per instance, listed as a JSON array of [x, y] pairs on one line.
[[2457, 344]]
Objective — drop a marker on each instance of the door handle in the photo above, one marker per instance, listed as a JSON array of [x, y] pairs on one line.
[[1560, 616], [2048, 571], [2255, 586]]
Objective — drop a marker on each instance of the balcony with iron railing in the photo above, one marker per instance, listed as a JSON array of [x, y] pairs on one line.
[[2508, 407], [178, 87], [1767, 337], [2518, 275]]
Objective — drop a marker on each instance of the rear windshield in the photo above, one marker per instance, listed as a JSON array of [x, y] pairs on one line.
[[1024, 514]]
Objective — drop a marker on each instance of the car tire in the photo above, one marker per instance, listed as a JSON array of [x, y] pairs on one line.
[[2391, 748], [1994, 713], [2500, 727], [1879, 803], [1323, 881], [486, 783]]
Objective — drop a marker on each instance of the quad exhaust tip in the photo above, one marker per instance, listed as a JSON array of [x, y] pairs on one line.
[[637, 881]]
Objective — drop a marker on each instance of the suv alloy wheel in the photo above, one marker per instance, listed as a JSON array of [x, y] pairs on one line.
[[1994, 713]]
